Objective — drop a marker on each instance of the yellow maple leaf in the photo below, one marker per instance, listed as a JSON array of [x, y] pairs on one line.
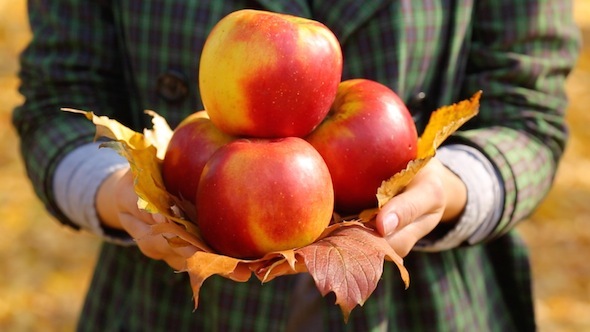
[[159, 135], [442, 124], [141, 151]]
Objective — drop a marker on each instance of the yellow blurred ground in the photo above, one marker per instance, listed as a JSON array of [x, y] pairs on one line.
[[559, 232], [45, 268]]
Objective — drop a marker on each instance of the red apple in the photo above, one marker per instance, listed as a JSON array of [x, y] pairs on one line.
[[264, 195], [367, 137], [190, 147], [265, 74]]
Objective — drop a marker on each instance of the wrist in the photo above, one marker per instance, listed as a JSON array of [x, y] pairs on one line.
[[106, 200], [75, 185], [456, 196]]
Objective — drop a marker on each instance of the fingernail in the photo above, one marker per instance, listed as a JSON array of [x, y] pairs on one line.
[[390, 223]]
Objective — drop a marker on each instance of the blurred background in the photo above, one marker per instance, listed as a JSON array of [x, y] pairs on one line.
[[45, 268]]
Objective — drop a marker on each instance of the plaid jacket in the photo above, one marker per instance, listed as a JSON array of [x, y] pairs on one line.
[[118, 58]]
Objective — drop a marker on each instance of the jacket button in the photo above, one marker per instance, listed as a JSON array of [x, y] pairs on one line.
[[418, 107], [172, 86], [417, 102]]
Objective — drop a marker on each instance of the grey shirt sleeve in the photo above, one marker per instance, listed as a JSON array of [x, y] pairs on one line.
[[76, 182], [485, 197]]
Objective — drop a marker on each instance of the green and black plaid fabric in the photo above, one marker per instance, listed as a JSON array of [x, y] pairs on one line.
[[118, 58]]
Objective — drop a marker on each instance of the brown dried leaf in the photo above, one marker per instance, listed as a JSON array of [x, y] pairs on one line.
[[277, 264], [187, 233], [280, 267], [203, 265], [349, 262]]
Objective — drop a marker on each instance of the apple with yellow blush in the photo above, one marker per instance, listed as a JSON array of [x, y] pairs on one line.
[[266, 74]]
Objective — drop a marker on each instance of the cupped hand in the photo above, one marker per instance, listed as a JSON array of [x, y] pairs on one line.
[[117, 208], [433, 196]]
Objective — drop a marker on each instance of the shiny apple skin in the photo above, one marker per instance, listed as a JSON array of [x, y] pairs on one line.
[[192, 143], [264, 195], [367, 137], [265, 74]]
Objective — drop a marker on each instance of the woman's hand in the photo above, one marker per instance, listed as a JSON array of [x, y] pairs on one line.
[[435, 195], [116, 204]]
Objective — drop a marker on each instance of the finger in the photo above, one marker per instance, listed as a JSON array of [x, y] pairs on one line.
[[127, 199], [180, 248], [406, 238], [128, 205], [424, 195], [135, 227], [153, 246], [158, 218], [178, 260], [179, 255], [178, 263], [185, 252], [156, 246]]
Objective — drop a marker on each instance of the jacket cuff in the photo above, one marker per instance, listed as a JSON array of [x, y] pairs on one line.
[[76, 182], [485, 198]]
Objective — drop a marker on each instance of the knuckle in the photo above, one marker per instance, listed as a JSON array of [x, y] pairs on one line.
[[408, 212], [435, 188]]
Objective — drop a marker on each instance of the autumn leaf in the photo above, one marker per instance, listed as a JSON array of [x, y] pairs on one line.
[[113, 129], [267, 271], [141, 151], [203, 265], [148, 183], [349, 262], [141, 154], [277, 264], [290, 261], [443, 122], [189, 235], [159, 135], [399, 181]]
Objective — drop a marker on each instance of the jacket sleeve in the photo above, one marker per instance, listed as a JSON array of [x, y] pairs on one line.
[[72, 61], [520, 56]]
